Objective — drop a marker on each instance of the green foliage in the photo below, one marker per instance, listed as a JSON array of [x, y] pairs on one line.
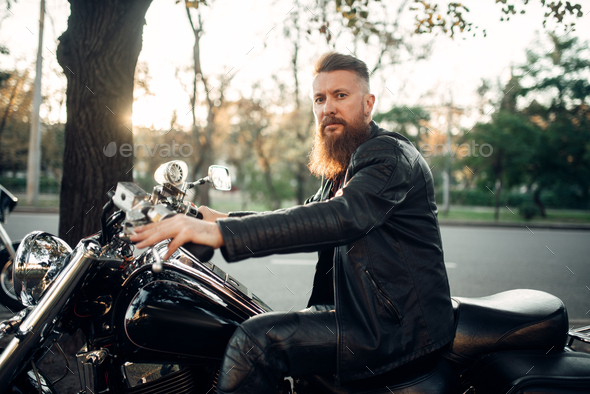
[[512, 138], [429, 18], [546, 146], [528, 209], [262, 151], [558, 198], [52, 148], [19, 185], [562, 145], [408, 121], [564, 196], [482, 198], [562, 69], [474, 197], [450, 18], [256, 187], [16, 97]]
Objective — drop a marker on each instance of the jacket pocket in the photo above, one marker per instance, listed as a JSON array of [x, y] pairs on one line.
[[384, 298]]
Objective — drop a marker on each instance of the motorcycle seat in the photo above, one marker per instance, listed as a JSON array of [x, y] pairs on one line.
[[519, 319], [429, 375], [532, 372]]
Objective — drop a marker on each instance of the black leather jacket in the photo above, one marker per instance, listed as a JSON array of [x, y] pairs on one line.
[[391, 290]]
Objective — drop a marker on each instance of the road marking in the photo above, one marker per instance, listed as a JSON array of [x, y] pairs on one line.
[[292, 262], [448, 264]]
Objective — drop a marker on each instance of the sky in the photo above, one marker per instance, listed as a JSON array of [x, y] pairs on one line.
[[245, 38]]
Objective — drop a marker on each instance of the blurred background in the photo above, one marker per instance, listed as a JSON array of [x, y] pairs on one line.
[[499, 111], [493, 93]]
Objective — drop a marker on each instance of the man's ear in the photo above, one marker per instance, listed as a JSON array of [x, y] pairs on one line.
[[369, 102]]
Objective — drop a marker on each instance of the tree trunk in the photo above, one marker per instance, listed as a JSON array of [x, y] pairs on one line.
[[497, 195], [538, 202], [203, 140], [301, 178], [98, 53], [301, 170], [275, 200], [201, 170]]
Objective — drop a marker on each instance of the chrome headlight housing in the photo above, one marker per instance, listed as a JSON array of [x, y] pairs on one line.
[[40, 258]]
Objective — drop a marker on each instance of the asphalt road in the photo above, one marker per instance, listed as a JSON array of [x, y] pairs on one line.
[[480, 261]]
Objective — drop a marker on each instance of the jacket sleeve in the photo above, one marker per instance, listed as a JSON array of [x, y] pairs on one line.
[[239, 214], [378, 181]]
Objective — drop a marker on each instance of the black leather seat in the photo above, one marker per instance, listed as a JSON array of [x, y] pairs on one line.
[[428, 375], [533, 372], [512, 320]]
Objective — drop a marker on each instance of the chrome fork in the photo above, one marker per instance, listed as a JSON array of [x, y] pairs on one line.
[[7, 242]]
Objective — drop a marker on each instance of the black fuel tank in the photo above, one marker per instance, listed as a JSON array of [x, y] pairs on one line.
[[191, 308], [174, 318]]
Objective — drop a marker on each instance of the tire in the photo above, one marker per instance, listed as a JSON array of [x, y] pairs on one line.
[[26, 383], [7, 294]]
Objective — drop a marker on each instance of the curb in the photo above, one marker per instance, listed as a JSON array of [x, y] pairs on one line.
[[578, 323], [443, 222], [549, 226], [35, 209]]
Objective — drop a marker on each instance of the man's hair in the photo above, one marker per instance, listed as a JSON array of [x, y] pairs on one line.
[[333, 61]]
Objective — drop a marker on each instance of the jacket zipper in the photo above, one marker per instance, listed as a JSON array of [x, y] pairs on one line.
[[388, 301], [335, 285], [334, 278]]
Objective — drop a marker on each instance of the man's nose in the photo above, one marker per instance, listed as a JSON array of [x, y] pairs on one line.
[[329, 108]]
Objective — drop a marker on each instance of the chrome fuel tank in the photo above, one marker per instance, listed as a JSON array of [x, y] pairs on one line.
[[189, 309]]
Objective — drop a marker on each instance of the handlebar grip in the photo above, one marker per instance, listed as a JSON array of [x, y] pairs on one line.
[[199, 215], [202, 252]]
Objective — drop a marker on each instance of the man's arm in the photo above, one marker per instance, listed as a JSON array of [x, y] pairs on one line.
[[182, 229], [211, 215], [379, 182]]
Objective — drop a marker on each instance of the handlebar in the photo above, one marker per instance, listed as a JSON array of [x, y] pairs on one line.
[[202, 252], [139, 206]]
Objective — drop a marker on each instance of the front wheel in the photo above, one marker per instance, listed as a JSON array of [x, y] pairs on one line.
[[28, 383], [7, 295]]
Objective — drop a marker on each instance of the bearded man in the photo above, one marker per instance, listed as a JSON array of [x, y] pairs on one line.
[[381, 296]]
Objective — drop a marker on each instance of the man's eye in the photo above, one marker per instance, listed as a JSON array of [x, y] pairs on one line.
[[319, 100], [341, 95]]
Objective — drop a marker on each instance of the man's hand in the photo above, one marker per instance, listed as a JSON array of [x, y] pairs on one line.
[[211, 215], [181, 229]]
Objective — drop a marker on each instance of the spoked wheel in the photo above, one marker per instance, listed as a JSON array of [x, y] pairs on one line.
[[7, 295]]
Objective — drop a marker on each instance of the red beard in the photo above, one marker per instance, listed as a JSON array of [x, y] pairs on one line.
[[331, 152]]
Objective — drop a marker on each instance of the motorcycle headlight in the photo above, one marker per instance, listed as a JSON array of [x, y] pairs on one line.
[[40, 257]]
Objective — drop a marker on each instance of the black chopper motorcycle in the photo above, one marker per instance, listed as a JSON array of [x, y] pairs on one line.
[[154, 326], [8, 297]]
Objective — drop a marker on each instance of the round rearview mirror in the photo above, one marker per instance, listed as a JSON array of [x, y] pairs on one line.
[[219, 178]]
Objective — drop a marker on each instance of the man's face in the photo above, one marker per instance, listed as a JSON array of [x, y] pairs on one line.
[[342, 108], [339, 98]]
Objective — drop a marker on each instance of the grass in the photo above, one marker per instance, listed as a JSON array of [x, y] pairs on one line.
[[44, 201], [462, 213], [227, 202]]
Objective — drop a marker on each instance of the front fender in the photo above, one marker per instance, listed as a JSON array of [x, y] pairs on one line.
[[26, 383]]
